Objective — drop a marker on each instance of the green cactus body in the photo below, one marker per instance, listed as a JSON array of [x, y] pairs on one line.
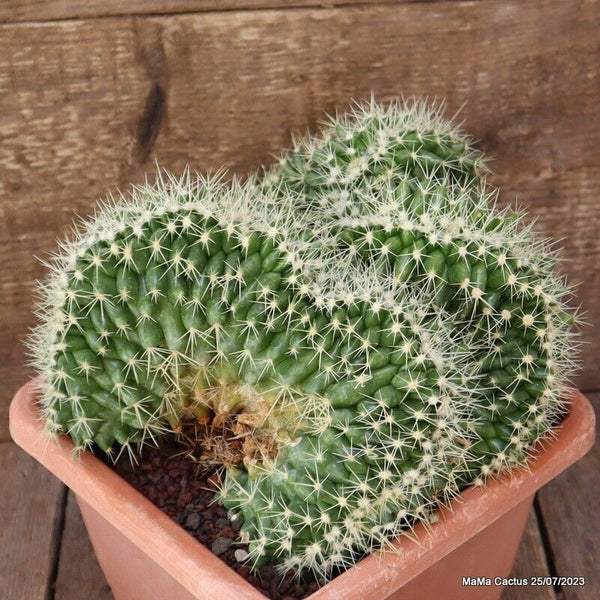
[[356, 337]]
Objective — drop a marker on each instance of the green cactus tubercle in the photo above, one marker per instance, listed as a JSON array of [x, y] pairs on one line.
[[355, 335]]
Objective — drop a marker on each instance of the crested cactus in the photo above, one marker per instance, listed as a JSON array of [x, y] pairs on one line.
[[355, 336]]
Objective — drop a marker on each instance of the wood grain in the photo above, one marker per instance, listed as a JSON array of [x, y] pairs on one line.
[[31, 506], [51, 10], [530, 561], [571, 512], [79, 575], [88, 105]]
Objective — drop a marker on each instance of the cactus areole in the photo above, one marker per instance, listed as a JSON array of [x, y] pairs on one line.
[[353, 336]]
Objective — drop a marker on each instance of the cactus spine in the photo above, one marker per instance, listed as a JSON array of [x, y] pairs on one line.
[[355, 336]]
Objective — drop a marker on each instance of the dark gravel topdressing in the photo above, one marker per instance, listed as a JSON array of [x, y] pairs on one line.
[[170, 480]]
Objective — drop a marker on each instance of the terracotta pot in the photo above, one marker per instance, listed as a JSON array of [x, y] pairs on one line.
[[147, 556]]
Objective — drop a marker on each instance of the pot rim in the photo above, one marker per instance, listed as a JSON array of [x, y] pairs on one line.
[[201, 572]]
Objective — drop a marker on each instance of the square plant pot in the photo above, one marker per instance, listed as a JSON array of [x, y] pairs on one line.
[[147, 556]]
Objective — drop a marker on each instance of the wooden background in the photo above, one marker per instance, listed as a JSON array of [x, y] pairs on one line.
[[93, 93], [89, 100]]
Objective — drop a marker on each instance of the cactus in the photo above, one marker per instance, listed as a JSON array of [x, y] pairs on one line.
[[353, 337]]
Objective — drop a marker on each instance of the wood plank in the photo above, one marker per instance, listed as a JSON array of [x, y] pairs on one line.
[[13, 11], [79, 575], [89, 105], [530, 561], [571, 513], [31, 505]]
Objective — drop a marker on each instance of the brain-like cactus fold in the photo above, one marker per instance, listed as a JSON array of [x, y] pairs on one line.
[[356, 334]]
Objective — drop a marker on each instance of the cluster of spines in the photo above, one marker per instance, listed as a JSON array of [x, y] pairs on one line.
[[427, 335], [393, 202]]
